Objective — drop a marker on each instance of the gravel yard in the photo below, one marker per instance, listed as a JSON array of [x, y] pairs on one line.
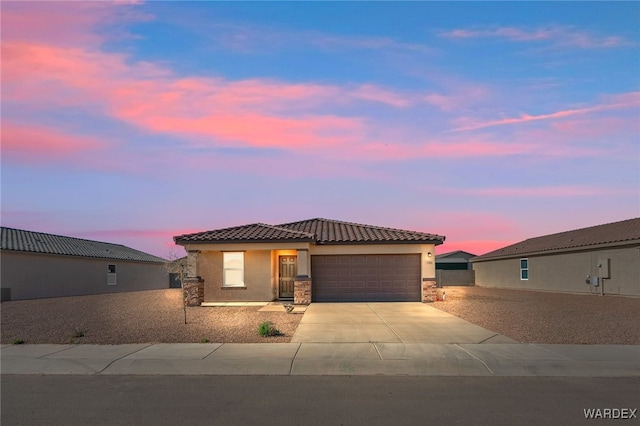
[[540, 317], [157, 317], [154, 316]]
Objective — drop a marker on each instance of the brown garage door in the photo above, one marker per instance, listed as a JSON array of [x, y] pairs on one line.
[[366, 278]]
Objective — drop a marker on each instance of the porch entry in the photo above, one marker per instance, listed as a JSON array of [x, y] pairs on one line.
[[288, 269]]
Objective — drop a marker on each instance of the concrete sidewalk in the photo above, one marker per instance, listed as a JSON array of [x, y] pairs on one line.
[[413, 359]]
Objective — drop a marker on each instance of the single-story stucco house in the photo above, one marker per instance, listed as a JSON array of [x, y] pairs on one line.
[[603, 259], [316, 260], [38, 265]]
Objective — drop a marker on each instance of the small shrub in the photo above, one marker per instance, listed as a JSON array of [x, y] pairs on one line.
[[79, 332], [204, 340], [18, 341], [266, 329]]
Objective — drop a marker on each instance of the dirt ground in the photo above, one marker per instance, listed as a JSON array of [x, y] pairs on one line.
[[154, 316], [157, 317], [542, 317]]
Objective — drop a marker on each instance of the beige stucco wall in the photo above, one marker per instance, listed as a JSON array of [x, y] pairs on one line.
[[566, 272], [35, 275], [261, 265], [258, 277]]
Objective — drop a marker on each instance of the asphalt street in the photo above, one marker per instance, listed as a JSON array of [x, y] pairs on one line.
[[311, 400]]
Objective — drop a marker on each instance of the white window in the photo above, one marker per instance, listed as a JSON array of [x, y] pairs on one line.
[[524, 269], [111, 274], [233, 269]]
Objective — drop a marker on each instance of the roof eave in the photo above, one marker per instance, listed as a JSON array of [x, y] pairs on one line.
[[628, 243], [246, 241], [85, 256], [335, 243]]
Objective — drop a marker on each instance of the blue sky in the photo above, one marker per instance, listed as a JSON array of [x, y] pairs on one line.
[[486, 122]]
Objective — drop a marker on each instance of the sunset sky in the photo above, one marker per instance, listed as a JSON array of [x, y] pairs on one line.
[[486, 122]]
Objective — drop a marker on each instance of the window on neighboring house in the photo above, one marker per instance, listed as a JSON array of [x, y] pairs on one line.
[[111, 274], [524, 269], [233, 269]]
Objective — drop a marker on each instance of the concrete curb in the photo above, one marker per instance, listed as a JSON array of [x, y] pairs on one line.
[[326, 359]]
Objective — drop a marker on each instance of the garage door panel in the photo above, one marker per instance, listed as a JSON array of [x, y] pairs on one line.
[[366, 278]]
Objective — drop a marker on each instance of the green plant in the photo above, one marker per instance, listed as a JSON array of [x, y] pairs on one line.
[[79, 332], [266, 329], [204, 340], [18, 341]]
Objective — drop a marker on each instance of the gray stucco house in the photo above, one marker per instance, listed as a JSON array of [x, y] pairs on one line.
[[454, 269], [312, 260], [454, 260], [603, 259], [38, 265]]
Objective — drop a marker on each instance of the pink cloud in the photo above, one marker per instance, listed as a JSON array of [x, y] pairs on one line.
[[374, 93], [477, 247], [622, 101], [456, 94], [250, 113], [258, 130], [39, 144], [476, 231], [441, 149], [253, 113], [549, 191], [604, 126], [65, 23], [560, 36]]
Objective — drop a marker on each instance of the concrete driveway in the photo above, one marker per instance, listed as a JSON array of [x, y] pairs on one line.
[[388, 322]]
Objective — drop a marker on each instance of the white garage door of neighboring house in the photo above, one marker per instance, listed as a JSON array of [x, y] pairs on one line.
[[366, 278]]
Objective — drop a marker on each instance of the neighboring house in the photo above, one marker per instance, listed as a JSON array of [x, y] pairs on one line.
[[176, 269], [454, 269], [312, 260], [602, 259], [37, 265], [454, 260]]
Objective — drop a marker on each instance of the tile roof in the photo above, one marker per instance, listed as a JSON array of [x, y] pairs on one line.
[[254, 233], [320, 231], [454, 255], [626, 231], [38, 242], [335, 232]]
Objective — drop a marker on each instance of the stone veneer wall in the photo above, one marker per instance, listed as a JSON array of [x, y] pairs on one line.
[[193, 291], [429, 290], [302, 291]]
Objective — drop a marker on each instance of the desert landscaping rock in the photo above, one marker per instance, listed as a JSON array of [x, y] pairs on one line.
[[137, 317], [543, 317], [157, 317]]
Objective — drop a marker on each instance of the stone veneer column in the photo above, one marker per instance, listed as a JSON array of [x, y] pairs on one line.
[[193, 289], [302, 290], [428, 290]]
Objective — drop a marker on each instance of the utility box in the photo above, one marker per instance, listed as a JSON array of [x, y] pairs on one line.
[[603, 268]]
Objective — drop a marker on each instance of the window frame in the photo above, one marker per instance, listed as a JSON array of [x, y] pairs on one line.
[[226, 268], [524, 270], [112, 277]]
